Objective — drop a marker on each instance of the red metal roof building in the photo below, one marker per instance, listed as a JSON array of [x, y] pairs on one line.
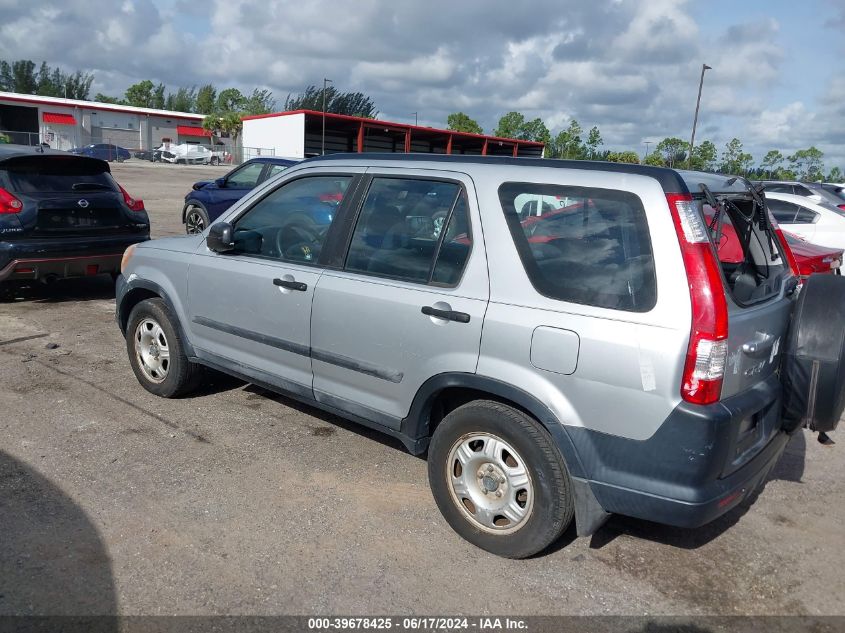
[[299, 134]]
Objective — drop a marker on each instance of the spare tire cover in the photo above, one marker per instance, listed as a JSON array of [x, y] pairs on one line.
[[813, 367]]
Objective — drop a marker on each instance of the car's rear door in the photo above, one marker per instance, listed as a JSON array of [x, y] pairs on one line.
[[408, 301], [236, 186]]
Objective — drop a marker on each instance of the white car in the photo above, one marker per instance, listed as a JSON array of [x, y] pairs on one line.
[[816, 222], [190, 153]]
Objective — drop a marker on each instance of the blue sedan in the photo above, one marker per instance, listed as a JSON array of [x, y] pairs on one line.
[[208, 200], [103, 151]]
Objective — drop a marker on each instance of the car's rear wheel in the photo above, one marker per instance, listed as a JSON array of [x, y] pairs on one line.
[[196, 219], [157, 353], [499, 480]]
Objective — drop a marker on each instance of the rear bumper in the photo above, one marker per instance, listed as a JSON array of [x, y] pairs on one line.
[[60, 258], [703, 461]]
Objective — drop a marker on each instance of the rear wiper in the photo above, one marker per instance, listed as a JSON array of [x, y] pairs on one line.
[[90, 186], [717, 212]]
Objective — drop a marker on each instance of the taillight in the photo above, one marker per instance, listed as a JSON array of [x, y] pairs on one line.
[[132, 203], [704, 369], [8, 202], [841, 206]]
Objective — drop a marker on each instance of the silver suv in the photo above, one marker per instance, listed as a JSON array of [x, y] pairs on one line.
[[561, 337]]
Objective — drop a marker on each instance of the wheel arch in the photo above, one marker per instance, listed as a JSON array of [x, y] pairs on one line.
[[139, 290], [445, 392]]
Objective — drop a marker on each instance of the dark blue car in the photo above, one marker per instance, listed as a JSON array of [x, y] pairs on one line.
[[103, 151], [208, 200]]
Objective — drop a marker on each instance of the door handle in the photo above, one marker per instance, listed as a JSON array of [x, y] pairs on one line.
[[760, 347], [451, 315], [291, 285]]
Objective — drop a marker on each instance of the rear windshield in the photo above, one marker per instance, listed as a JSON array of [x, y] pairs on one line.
[[583, 245], [57, 175]]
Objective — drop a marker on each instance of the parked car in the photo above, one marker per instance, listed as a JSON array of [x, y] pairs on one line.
[[191, 154], [152, 155], [208, 199], [103, 151], [837, 189], [816, 222], [815, 191], [812, 258], [612, 369], [63, 216]]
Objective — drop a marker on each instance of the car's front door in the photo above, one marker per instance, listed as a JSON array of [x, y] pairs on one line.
[[250, 309], [409, 300], [235, 187]]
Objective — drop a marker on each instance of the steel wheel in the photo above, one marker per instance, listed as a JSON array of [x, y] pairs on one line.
[[490, 483], [152, 350], [194, 221]]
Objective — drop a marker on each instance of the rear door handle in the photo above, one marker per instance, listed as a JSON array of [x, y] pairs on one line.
[[451, 315], [760, 347], [291, 285]]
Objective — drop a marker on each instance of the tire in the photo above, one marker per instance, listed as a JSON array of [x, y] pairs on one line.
[[196, 218], [215, 160], [521, 462], [151, 325], [813, 364]]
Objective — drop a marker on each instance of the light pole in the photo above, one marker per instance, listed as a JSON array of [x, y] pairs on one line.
[[415, 118], [646, 143], [323, 142], [704, 67]]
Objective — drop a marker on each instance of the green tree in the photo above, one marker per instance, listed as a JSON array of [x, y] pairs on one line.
[[337, 102], [206, 99], [259, 102], [183, 100], [460, 122], [230, 100], [100, 97], [835, 175], [623, 157], [807, 163], [703, 157], [514, 125], [734, 160], [141, 94], [594, 141], [655, 159], [567, 144], [23, 77], [771, 163], [673, 150]]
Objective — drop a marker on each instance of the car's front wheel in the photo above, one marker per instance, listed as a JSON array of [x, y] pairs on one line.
[[157, 353], [196, 219], [499, 480]]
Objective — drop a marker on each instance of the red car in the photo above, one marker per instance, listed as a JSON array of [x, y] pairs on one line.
[[813, 258]]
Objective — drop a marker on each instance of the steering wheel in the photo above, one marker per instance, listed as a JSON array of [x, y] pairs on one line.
[[297, 242]]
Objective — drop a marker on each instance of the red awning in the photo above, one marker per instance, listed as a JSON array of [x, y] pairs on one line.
[[61, 119], [191, 130]]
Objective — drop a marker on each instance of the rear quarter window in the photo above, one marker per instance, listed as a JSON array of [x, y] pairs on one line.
[[593, 249]]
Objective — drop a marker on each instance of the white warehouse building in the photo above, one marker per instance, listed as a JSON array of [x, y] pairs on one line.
[[67, 123]]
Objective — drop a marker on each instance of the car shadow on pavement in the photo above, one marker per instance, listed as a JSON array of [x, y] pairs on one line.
[[74, 289], [328, 418], [52, 559], [790, 467]]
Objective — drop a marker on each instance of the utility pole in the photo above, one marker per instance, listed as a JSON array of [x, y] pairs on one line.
[[646, 143], [704, 67], [415, 118], [323, 143]]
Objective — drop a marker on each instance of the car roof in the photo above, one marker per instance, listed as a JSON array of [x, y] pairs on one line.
[[670, 179], [276, 160], [803, 201], [789, 182]]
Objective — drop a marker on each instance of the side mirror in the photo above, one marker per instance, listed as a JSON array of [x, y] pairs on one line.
[[220, 239], [220, 182]]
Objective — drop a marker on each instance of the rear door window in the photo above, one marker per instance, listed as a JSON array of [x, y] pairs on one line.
[[412, 229], [246, 177], [594, 249]]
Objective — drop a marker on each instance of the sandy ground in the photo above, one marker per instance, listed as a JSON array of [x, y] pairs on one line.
[[237, 501]]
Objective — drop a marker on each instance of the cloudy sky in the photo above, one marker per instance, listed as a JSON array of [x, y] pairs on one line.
[[629, 66]]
